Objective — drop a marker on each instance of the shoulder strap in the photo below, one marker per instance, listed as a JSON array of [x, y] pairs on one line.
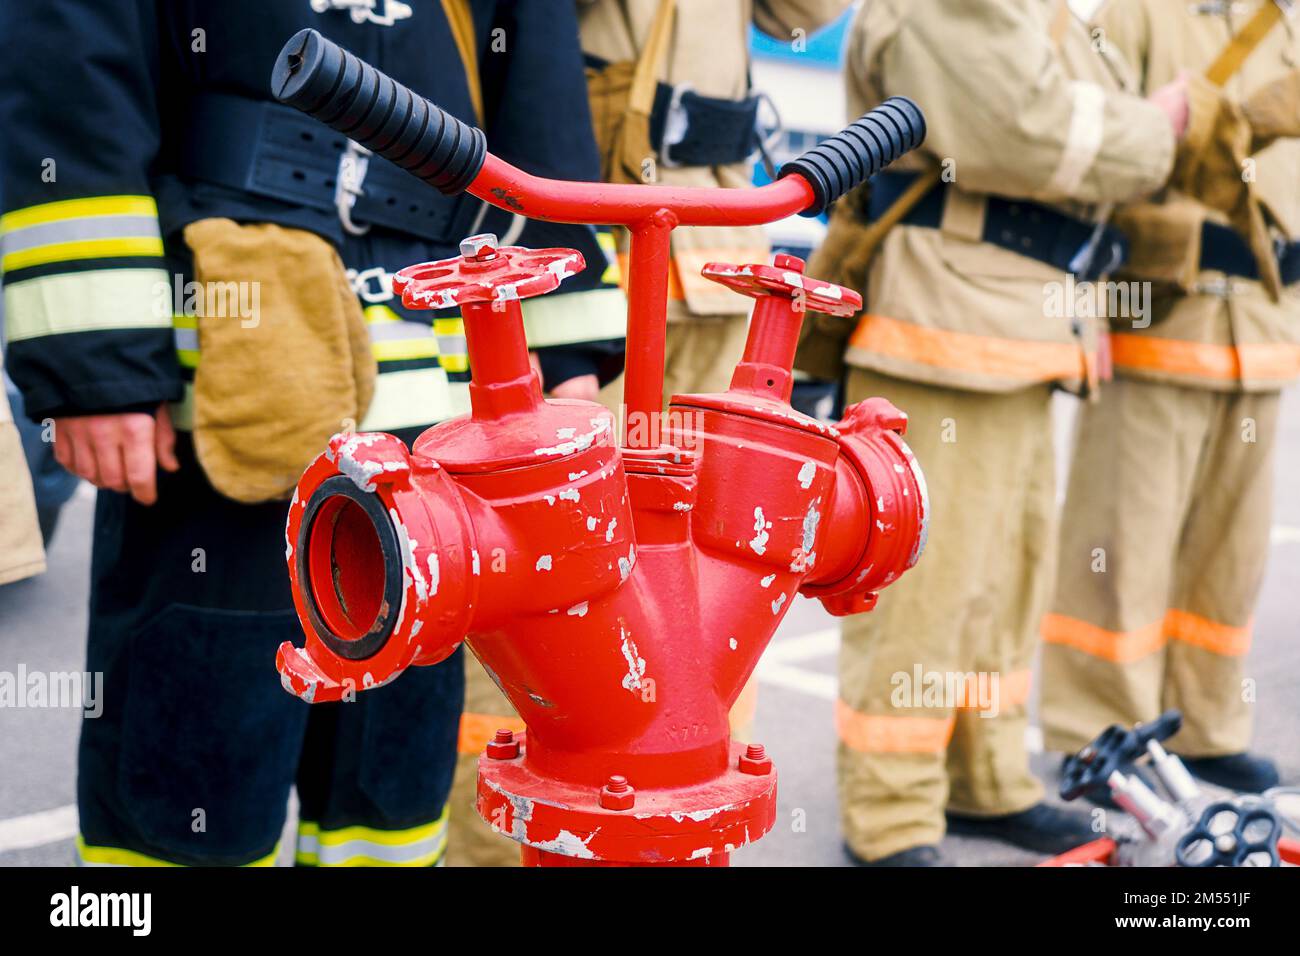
[[642, 96], [1243, 43], [461, 21]]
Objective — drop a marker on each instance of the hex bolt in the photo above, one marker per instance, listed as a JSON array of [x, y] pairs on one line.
[[617, 794], [755, 761], [480, 248], [503, 746]]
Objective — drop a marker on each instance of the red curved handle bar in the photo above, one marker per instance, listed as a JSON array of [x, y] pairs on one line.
[[622, 204], [651, 213]]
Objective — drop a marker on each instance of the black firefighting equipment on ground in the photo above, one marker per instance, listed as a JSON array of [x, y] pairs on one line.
[[140, 144]]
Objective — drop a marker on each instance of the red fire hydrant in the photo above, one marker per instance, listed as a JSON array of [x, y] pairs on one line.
[[620, 596]]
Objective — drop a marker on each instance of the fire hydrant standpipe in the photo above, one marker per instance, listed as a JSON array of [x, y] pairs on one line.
[[620, 596]]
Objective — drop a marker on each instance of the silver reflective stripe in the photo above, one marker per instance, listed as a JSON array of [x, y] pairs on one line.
[[575, 317], [340, 853], [413, 397], [93, 301], [74, 230], [390, 331], [187, 340]]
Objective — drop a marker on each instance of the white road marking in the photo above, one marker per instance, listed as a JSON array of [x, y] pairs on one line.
[[1285, 534], [804, 646], [38, 829], [822, 686]]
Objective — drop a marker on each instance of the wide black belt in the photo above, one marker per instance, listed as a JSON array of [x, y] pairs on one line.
[[1223, 249], [1026, 228], [701, 130], [279, 153]]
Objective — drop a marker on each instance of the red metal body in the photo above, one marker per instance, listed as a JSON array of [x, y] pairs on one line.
[[620, 596]]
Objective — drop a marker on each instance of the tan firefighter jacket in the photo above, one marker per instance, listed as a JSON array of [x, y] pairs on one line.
[[709, 51], [1232, 335], [1020, 102]]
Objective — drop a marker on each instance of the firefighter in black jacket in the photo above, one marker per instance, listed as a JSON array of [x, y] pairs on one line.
[[196, 283]]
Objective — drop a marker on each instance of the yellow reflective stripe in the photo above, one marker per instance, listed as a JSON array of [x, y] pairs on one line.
[[575, 317], [612, 275], [432, 858], [402, 349], [414, 397], [424, 341], [78, 209], [380, 313], [186, 330], [83, 249], [116, 856], [372, 835], [88, 302], [367, 846]]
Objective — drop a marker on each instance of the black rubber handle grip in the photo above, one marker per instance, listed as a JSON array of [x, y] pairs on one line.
[[858, 152], [324, 80]]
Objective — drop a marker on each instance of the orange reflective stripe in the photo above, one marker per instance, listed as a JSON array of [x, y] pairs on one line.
[[1012, 690], [1117, 646], [746, 705], [1017, 359], [1129, 350], [675, 291], [1278, 361], [1208, 635], [477, 729], [891, 734]]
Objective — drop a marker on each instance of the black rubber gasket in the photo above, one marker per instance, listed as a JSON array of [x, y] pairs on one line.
[[375, 639]]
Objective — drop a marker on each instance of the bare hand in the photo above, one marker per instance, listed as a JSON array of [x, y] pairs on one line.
[[1172, 99], [584, 387], [118, 452]]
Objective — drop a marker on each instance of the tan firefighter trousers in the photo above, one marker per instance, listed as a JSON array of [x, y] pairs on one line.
[[934, 683], [1163, 545]]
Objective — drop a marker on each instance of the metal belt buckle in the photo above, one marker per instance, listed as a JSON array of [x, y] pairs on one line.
[[677, 123], [363, 11], [353, 163], [1085, 264], [1222, 287]]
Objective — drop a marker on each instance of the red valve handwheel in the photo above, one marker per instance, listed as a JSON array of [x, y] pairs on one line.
[[785, 278], [485, 273]]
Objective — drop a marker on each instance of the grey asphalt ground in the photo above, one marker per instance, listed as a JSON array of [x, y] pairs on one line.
[[42, 626]]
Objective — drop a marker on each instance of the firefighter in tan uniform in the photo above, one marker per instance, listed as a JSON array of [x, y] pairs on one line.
[[1161, 562], [1030, 135], [701, 131]]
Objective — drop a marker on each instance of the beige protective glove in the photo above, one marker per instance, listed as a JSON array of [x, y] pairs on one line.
[[823, 338], [1210, 166], [270, 390], [1273, 110]]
